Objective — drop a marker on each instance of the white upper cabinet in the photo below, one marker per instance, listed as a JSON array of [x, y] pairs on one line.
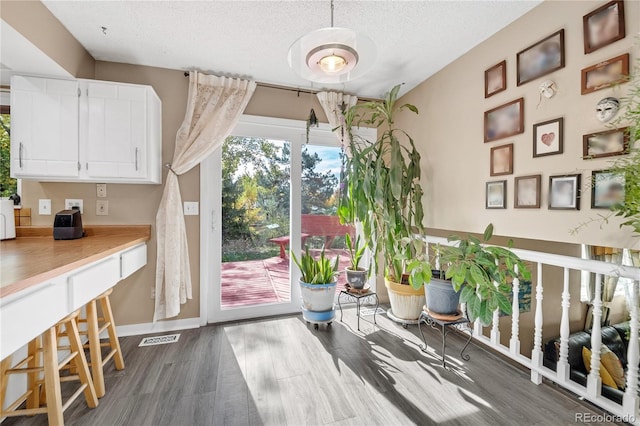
[[117, 133], [117, 121], [44, 128]]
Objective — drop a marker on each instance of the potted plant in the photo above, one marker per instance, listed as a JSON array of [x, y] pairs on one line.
[[482, 275], [317, 285], [382, 192], [356, 275]]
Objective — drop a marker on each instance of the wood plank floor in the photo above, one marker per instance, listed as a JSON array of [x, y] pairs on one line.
[[283, 372]]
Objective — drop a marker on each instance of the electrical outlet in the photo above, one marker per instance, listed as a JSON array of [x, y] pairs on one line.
[[101, 190], [44, 207], [69, 203], [102, 208], [191, 208]]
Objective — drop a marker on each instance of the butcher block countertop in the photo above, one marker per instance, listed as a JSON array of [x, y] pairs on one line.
[[35, 256]]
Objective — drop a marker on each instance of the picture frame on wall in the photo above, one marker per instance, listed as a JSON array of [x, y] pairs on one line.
[[501, 160], [504, 121], [606, 144], [605, 74], [496, 195], [495, 79], [541, 58], [548, 137], [604, 26], [527, 192], [607, 189], [564, 192]]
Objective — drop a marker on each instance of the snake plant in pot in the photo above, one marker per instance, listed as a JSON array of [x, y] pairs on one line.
[[382, 192], [356, 275], [483, 275], [317, 285]]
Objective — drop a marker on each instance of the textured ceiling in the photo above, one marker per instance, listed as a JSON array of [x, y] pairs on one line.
[[251, 39]]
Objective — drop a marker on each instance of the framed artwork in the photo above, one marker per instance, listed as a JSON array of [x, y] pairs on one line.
[[496, 197], [605, 74], [541, 58], [502, 160], [564, 192], [527, 192], [607, 189], [548, 137], [504, 121], [603, 26], [606, 144], [495, 79]]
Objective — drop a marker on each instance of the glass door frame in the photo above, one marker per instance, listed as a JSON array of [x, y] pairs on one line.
[[293, 131]]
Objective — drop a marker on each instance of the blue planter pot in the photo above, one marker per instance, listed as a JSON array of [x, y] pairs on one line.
[[441, 297], [318, 297]]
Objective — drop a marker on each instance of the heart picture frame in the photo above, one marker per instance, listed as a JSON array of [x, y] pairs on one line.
[[548, 137]]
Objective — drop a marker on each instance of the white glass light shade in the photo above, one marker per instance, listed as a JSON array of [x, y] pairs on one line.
[[332, 55]]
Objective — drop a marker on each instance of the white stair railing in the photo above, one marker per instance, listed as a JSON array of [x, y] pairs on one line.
[[628, 410]]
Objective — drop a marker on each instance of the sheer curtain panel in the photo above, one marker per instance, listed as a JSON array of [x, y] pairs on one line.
[[214, 107]]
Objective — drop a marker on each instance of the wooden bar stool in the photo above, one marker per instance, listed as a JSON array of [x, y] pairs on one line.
[[95, 326], [51, 366]]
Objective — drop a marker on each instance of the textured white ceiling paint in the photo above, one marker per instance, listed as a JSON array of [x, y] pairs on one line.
[[251, 39]]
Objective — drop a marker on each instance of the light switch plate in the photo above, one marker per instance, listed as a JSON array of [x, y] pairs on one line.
[[73, 202], [102, 208], [44, 207], [101, 190], [191, 208]]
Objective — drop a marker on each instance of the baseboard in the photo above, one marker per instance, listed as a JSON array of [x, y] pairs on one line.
[[158, 327]]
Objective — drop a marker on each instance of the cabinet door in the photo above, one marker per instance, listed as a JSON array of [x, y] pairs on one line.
[[114, 130], [44, 127]]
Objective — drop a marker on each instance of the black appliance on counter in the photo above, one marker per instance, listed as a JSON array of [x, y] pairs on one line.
[[68, 225]]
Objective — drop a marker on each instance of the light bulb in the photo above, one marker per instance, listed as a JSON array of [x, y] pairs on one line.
[[332, 63]]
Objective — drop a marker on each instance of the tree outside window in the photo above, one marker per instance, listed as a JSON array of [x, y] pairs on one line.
[[8, 186]]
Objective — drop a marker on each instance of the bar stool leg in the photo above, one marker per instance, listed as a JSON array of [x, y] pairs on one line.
[[4, 380], [33, 400], [95, 350], [113, 335], [52, 377], [81, 363]]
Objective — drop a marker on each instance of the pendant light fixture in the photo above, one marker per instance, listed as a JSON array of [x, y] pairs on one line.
[[332, 54]]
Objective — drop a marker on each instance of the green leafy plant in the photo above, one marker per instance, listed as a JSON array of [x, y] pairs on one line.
[[382, 190], [356, 251], [316, 271], [483, 274], [628, 166]]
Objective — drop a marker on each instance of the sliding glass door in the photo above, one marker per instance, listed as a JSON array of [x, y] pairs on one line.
[[266, 193]]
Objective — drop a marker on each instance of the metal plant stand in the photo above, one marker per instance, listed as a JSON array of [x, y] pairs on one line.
[[444, 327], [359, 298]]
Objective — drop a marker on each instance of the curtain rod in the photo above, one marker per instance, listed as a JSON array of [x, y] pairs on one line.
[[297, 90]]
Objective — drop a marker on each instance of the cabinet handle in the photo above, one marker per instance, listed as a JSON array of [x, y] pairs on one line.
[[136, 159], [20, 155]]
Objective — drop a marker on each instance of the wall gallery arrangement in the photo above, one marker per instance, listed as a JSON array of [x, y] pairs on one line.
[[601, 27]]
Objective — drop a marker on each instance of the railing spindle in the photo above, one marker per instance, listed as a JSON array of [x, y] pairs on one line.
[[563, 362], [536, 353], [594, 383], [514, 343], [495, 326], [630, 398]]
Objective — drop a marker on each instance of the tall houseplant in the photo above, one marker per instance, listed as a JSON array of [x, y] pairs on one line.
[[382, 191]]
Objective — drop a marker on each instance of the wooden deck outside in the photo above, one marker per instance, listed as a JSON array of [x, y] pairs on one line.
[[259, 282]]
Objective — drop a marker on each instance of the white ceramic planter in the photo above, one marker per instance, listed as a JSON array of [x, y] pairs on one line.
[[406, 303], [318, 297]]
